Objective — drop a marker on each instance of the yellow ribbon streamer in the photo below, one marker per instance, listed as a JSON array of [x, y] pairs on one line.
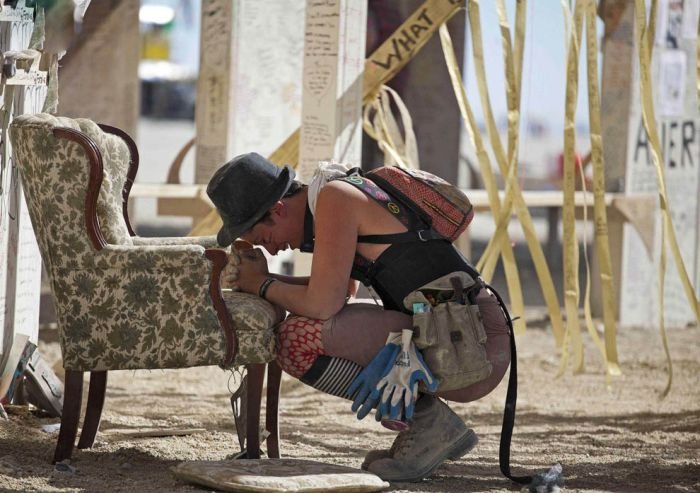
[[512, 192], [599, 210], [379, 123], [570, 242], [509, 265]]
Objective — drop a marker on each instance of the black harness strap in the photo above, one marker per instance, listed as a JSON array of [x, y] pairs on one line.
[[307, 244], [511, 399], [405, 237]]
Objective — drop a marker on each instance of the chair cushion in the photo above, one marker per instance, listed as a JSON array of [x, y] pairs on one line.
[[255, 321], [278, 475]]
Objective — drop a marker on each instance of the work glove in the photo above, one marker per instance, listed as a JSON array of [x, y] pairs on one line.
[[397, 390], [367, 380]]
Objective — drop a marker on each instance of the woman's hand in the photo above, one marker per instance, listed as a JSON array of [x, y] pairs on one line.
[[229, 276], [252, 270]]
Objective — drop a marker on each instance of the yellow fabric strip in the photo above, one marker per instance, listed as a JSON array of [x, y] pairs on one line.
[[379, 123], [588, 316], [668, 231], [651, 128], [599, 210], [513, 193], [513, 79], [490, 256], [509, 264], [380, 67], [570, 246], [474, 135]]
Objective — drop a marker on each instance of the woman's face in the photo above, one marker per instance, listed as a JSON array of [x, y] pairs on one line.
[[275, 233]]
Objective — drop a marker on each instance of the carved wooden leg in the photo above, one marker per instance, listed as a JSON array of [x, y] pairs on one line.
[[72, 401], [256, 376], [274, 377], [93, 412]]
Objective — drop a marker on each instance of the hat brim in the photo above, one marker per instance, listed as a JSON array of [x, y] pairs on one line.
[[229, 232]]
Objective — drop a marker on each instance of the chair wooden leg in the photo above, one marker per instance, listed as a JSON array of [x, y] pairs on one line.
[[93, 412], [72, 401], [256, 376], [274, 377]]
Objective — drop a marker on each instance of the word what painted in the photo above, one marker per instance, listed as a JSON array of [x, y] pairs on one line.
[[405, 41]]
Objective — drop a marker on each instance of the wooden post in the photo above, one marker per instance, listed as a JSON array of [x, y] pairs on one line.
[[616, 93], [334, 56], [20, 261], [249, 86], [628, 154], [99, 73], [425, 88]]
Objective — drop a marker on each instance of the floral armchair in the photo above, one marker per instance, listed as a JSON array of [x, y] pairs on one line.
[[123, 301]]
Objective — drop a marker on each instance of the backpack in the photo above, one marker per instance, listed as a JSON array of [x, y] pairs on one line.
[[443, 210]]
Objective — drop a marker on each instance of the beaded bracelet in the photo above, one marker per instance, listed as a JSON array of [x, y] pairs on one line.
[[265, 284]]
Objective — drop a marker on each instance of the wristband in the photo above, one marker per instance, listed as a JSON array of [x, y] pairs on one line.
[[265, 284]]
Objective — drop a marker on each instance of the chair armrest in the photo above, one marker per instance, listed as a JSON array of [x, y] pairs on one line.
[[141, 307], [253, 320], [204, 241], [219, 260]]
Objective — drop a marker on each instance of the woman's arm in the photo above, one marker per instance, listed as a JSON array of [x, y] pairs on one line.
[[298, 280], [338, 210], [335, 224]]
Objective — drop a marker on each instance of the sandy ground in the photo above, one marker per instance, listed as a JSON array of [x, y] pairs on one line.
[[617, 439]]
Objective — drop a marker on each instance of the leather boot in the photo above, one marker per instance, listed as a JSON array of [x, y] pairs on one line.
[[436, 434], [386, 453]]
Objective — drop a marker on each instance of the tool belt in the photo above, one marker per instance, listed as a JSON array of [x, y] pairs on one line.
[[449, 331]]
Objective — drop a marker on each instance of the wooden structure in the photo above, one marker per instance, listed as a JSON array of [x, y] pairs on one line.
[[628, 155], [334, 55], [24, 89], [108, 45]]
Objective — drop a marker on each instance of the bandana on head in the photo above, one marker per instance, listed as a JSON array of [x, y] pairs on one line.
[[326, 171]]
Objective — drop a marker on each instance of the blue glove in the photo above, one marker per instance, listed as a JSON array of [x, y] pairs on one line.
[[366, 381], [397, 390]]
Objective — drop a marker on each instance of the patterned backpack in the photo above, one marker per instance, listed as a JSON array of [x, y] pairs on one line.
[[443, 210]]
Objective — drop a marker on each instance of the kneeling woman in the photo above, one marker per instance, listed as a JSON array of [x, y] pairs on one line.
[[326, 341]]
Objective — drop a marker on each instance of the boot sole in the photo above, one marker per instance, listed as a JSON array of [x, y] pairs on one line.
[[459, 450]]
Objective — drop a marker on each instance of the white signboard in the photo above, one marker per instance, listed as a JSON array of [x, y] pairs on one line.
[[249, 88], [334, 49], [681, 148], [27, 283], [20, 262], [678, 120]]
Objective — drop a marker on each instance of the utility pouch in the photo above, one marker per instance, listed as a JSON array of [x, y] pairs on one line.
[[448, 329]]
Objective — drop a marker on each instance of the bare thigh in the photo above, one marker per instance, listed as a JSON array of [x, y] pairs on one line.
[[360, 330]]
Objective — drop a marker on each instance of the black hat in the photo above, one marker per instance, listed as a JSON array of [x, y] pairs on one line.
[[243, 190]]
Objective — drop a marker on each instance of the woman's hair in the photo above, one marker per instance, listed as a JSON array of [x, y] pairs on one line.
[[294, 188]]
